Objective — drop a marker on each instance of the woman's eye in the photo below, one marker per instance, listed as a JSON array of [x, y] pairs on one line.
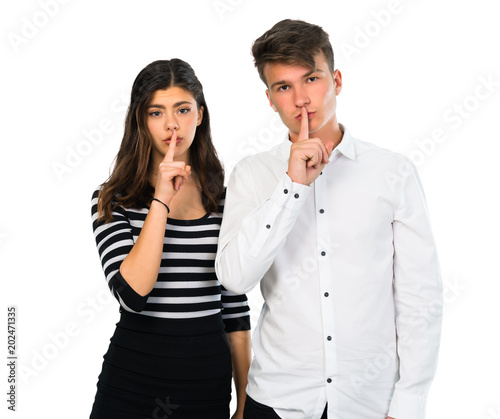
[[155, 113], [184, 110]]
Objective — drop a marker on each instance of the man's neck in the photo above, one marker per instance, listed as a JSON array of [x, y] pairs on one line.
[[334, 133]]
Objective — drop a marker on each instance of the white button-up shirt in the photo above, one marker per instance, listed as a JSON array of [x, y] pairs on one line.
[[350, 278]]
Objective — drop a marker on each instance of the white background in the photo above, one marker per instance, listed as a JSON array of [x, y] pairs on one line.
[[408, 67]]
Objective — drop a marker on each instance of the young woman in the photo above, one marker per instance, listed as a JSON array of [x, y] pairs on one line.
[[156, 222]]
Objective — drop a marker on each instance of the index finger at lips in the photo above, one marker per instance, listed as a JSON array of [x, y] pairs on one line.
[[169, 155], [304, 125]]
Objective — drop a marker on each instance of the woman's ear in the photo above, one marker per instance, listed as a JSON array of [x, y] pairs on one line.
[[200, 116]]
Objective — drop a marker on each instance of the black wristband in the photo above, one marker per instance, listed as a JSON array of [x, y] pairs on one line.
[[163, 203]]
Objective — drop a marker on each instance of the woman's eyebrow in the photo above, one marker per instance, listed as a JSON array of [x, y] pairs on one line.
[[180, 103]]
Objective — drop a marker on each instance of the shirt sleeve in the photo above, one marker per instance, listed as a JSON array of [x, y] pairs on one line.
[[418, 301], [114, 241], [235, 312], [254, 227]]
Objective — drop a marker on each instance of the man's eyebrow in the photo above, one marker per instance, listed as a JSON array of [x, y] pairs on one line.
[[180, 103], [314, 70]]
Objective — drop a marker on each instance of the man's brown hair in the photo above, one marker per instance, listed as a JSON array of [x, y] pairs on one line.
[[292, 42]]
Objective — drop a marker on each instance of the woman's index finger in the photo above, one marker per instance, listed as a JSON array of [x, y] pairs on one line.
[[169, 155]]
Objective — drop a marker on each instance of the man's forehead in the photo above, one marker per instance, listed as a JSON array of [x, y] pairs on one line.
[[294, 68]]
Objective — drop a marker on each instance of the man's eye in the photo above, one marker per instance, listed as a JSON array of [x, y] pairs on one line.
[[283, 88], [310, 79]]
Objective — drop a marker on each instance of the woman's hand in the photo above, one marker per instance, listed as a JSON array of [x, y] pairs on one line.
[[171, 174], [237, 415]]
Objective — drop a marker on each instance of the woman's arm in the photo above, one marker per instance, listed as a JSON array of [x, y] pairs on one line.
[[236, 317], [239, 342], [141, 266], [115, 243]]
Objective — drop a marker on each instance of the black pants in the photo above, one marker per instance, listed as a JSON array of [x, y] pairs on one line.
[[255, 410]]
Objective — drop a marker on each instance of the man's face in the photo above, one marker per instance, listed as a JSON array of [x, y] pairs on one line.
[[291, 87]]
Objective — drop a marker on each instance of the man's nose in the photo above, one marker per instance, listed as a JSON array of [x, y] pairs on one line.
[[301, 97]]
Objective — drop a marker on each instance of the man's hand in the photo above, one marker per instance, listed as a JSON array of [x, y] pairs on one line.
[[308, 156]]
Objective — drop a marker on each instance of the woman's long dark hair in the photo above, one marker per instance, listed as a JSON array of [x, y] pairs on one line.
[[128, 184]]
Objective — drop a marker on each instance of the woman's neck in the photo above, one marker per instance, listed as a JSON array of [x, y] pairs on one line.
[[187, 203]]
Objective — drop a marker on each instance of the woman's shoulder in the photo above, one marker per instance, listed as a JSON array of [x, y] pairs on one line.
[[118, 211], [222, 200], [97, 191]]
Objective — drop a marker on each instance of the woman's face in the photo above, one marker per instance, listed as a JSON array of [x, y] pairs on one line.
[[172, 109]]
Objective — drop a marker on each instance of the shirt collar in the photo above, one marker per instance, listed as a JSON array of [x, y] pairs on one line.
[[346, 146]]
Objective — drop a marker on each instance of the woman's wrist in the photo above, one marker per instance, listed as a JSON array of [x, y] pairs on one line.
[[160, 203]]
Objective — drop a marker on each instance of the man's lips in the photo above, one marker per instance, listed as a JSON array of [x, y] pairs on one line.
[[309, 116]]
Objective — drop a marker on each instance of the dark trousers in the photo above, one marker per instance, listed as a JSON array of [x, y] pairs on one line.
[[255, 410]]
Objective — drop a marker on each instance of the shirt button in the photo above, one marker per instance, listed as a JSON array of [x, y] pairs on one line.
[[329, 338], [268, 226], [296, 195], [323, 253], [285, 191], [321, 211], [326, 294], [321, 173], [329, 380]]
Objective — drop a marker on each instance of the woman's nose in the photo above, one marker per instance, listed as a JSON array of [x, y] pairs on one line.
[[171, 124]]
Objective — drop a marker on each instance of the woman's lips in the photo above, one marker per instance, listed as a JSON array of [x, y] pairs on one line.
[[167, 141]]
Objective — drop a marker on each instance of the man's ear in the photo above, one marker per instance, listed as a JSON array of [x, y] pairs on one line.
[[270, 100], [337, 78]]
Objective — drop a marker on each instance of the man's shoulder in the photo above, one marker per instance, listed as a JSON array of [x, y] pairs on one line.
[[264, 159], [368, 151]]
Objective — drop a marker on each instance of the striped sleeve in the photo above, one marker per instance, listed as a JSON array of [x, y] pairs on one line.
[[235, 311], [235, 308], [114, 241]]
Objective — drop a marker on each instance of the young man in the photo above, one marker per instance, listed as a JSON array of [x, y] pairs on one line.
[[337, 233]]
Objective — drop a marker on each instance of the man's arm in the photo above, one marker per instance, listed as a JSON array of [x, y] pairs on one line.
[[258, 215], [418, 301], [259, 212]]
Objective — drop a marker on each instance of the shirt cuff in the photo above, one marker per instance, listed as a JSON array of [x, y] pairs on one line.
[[237, 324], [129, 296], [290, 195], [407, 406]]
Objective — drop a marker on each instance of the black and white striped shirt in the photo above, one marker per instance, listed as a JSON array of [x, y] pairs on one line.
[[187, 286]]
